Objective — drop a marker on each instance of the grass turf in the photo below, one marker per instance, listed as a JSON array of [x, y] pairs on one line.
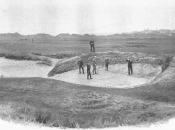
[[57, 103]]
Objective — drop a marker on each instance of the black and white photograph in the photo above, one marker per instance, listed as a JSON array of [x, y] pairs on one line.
[[87, 64]]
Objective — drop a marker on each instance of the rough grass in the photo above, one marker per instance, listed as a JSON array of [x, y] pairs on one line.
[[2, 54], [46, 62], [166, 60], [60, 104], [27, 56], [43, 45], [62, 55], [24, 56], [21, 56], [58, 55]]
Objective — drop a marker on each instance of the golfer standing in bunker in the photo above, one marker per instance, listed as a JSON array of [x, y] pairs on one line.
[[94, 71], [89, 71], [130, 71], [80, 64], [92, 45]]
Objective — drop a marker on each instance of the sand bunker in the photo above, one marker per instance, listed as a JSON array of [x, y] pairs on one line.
[[23, 68], [116, 77]]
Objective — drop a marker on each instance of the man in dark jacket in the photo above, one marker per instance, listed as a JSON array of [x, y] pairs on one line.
[[92, 45], [130, 71], [89, 71], [80, 64]]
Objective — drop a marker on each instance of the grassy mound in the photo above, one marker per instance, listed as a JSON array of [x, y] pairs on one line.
[[58, 55], [28, 56], [22, 56], [166, 60]]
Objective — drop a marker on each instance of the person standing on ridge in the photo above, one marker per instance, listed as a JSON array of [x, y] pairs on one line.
[[89, 71], [80, 64], [92, 45], [130, 71]]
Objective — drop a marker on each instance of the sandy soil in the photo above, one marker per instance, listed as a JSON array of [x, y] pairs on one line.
[[16, 68], [117, 76]]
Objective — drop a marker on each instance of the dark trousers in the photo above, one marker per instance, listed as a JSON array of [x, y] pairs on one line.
[[81, 67], [89, 75], [106, 65], [94, 70], [130, 70], [92, 48]]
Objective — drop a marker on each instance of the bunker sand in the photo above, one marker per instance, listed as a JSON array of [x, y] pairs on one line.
[[24, 68], [116, 77]]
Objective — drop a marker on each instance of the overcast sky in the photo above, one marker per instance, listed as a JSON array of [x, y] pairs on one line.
[[85, 16]]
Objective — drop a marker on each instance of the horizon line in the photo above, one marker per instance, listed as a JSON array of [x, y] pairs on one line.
[[96, 34]]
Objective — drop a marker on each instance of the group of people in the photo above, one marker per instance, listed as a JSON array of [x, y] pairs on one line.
[[94, 71], [81, 68]]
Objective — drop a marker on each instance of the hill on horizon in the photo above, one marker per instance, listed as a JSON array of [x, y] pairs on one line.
[[146, 31]]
